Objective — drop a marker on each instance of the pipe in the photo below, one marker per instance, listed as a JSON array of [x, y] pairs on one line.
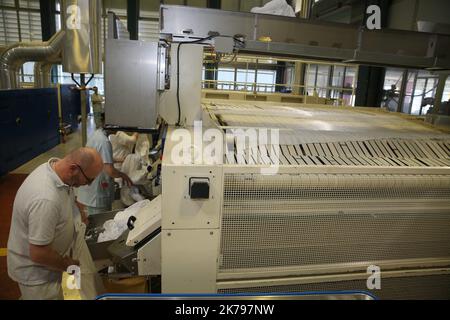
[[42, 71], [19, 53]]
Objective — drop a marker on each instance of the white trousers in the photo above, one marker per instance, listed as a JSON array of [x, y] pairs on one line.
[[46, 291]]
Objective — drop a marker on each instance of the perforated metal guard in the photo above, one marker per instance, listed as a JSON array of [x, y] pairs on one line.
[[313, 219], [423, 287]]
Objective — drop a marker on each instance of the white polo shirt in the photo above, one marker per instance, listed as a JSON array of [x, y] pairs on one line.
[[42, 215]]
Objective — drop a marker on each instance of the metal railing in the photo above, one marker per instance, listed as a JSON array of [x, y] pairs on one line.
[[346, 96]]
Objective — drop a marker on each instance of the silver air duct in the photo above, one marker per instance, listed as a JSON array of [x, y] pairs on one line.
[[19, 53], [42, 71], [81, 19]]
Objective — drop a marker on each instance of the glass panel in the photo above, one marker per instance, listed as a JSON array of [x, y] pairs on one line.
[[148, 30], [30, 26], [10, 30], [446, 94], [266, 80], [322, 80], [225, 78], [409, 91], [29, 4], [247, 77], [7, 3], [393, 77], [311, 79], [418, 95], [349, 81], [28, 72]]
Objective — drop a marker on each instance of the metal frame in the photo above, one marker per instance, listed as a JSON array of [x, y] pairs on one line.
[[298, 37]]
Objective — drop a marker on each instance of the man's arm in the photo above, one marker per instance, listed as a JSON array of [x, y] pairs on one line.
[[48, 257], [83, 212], [114, 173]]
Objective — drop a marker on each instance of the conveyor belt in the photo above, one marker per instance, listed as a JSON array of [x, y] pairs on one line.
[[320, 135], [390, 153]]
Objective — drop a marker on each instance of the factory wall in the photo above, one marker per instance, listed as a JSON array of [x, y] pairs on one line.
[[28, 125]]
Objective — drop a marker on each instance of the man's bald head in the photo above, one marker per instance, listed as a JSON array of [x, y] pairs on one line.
[[80, 167], [86, 158]]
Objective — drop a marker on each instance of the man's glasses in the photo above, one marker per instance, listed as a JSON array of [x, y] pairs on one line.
[[89, 180]]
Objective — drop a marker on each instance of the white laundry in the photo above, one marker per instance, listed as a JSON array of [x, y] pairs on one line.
[[276, 7], [143, 147], [122, 145], [115, 227], [136, 168]]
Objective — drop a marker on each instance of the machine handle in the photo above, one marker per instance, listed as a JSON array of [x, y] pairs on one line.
[[130, 223]]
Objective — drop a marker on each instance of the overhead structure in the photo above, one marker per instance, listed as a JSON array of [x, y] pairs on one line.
[[275, 35]]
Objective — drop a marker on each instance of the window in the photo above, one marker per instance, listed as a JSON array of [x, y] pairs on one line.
[[266, 80], [149, 25], [225, 78], [336, 83], [245, 79], [20, 22]]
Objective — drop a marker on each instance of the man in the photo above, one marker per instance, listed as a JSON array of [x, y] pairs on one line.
[[97, 107], [42, 229], [99, 196]]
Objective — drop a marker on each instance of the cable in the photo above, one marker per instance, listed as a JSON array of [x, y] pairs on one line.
[[180, 43]]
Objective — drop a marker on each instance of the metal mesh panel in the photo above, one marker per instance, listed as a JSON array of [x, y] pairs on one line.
[[423, 287], [309, 219]]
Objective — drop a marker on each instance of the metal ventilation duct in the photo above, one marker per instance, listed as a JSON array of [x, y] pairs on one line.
[[81, 19], [19, 53]]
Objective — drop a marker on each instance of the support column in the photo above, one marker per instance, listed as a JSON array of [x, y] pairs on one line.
[[401, 98], [369, 91], [48, 27], [214, 4], [280, 75], [48, 18], [133, 19], [299, 78]]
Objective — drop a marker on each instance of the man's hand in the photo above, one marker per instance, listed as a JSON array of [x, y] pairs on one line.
[[68, 261], [126, 179], [46, 256], [84, 218]]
